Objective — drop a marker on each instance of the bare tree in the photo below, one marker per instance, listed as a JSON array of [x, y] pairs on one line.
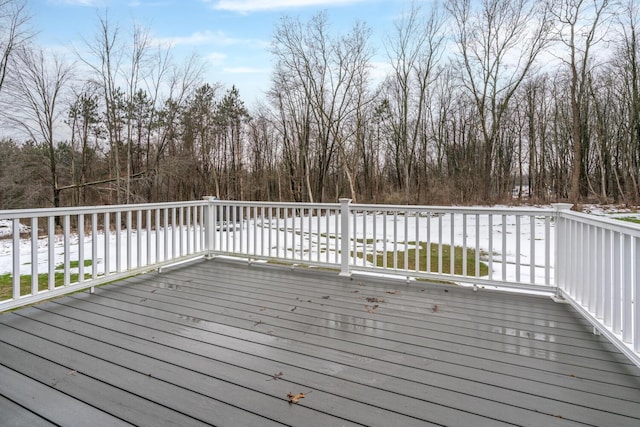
[[37, 88], [498, 45], [104, 58], [137, 71], [414, 52], [627, 65], [320, 75], [83, 119], [293, 123], [14, 32], [578, 26]]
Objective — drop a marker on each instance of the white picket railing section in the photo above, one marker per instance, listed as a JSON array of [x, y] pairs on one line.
[[599, 274], [592, 263], [67, 249]]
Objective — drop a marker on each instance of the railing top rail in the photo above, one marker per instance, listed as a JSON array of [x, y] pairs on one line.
[[292, 205], [604, 222], [41, 212], [499, 210]]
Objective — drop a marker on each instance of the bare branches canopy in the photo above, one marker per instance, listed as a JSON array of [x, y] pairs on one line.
[[465, 102]]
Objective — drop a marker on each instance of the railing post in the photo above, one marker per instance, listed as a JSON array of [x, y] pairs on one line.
[[558, 260], [209, 226], [344, 237]]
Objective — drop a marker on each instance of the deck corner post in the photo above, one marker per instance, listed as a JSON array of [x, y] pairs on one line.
[[560, 249], [345, 211], [209, 226]]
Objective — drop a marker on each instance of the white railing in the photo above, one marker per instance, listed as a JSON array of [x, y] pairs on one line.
[[599, 274], [303, 233], [58, 251], [490, 246], [591, 262]]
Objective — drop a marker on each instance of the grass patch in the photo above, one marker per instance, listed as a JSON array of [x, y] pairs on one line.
[[75, 264], [434, 261], [632, 219], [6, 283], [366, 241]]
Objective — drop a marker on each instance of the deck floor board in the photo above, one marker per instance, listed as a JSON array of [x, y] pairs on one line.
[[222, 343], [316, 307]]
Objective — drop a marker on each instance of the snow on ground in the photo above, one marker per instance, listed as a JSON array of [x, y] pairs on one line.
[[6, 228], [101, 247], [613, 211]]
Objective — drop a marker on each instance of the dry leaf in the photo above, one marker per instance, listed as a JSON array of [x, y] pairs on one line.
[[392, 292], [294, 398], [374, 299], [370, 309], [435, 308], [72, 373], [275, 377], [326, 297], [355, 292]]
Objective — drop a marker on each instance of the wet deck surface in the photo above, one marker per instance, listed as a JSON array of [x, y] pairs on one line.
[[223, 343]]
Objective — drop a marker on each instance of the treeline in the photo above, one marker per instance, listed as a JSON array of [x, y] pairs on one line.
[[481, 102]]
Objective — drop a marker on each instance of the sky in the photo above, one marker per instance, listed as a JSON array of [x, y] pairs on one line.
[[232, 37]]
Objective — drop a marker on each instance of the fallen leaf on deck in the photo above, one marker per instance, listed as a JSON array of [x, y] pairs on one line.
[[392, 292], [275, 377], [435, 308], [374, 299], [72, 373], [355, 292], [370, 309], [326, 297], [257, 323], [293, 398], [153, 291], [294, 308]]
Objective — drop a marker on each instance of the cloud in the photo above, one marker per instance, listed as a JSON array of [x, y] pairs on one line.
[[89, 3], [216, 58], [245, 70], [218, 38], [379, 71], [138, 3], [245, 6]]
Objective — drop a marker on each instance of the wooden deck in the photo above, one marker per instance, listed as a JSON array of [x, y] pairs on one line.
[[223, 343]]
